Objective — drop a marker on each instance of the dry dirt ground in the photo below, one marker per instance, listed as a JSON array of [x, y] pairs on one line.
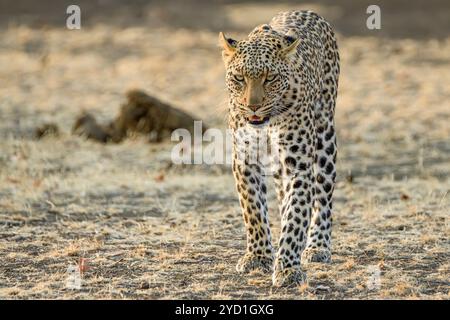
[[148, 229]]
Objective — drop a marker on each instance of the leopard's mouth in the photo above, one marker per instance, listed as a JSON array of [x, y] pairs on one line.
[[257, 121]]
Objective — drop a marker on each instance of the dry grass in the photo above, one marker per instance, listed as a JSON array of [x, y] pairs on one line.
[[147, 237]]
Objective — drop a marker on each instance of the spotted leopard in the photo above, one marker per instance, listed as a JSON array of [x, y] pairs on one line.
[[282, 82]]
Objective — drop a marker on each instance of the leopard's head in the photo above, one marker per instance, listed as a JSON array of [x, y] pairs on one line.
[[258, 72]]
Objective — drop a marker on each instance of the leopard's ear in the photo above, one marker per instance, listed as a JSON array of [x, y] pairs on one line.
[[291, 48], [229, 47]]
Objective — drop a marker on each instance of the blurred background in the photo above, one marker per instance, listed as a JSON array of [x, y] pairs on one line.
[[62, 197]]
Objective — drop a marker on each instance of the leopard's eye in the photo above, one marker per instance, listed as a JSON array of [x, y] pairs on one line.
[[238, 77], [271, 77]]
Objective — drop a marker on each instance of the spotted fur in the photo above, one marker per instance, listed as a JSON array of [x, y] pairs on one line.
[[296, 57]]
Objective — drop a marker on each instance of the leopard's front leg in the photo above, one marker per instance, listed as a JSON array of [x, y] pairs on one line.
[[297, 183], [251, 187]]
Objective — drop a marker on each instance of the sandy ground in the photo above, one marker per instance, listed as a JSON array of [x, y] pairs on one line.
[[148, 229]]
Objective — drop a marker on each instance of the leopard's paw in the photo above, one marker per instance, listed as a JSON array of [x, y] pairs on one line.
[[288, 277], [251, 262], [316, 255]]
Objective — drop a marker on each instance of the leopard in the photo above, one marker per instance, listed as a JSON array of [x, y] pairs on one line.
[[282, 83]]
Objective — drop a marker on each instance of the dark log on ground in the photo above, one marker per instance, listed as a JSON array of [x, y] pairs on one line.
[[86, 126], [142, 114], [48, 129]]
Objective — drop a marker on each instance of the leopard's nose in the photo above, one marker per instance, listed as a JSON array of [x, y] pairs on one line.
[[254, 107]]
